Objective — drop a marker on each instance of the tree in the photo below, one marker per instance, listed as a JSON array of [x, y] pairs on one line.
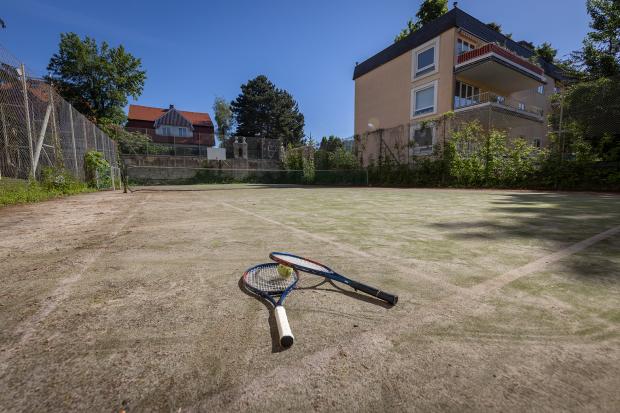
[[600, 54], [331, 143], [498, 28], [97, 80], [429, 10], [546, 52], [527, 44], [266, 111], [495, 26], [223, 118]]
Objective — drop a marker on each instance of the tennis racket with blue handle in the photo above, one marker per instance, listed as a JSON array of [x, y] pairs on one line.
[[265, 281], [316, 268]]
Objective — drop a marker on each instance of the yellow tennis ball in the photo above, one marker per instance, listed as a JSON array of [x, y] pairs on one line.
[[284, 271]]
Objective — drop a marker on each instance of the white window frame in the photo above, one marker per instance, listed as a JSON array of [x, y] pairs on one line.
[[414, 70], [422, 150], [537, 140], [166, 131], [471, 45], [432, 84], [182, 132], [541, 89], [521, 105]]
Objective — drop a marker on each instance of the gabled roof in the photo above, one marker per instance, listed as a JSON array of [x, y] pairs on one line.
[[151, 114], [174, 118], [454, 18]]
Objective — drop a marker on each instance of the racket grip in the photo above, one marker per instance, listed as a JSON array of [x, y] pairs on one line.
[[284, 330], [387, 297]]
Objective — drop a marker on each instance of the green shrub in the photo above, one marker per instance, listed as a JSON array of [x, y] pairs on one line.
[[97, 170]]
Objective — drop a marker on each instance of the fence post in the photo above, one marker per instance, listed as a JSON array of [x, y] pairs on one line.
[[6, 137], [112, 176], [57, 148], [27, 110], [84, 134], [95, 137], [75, 162]]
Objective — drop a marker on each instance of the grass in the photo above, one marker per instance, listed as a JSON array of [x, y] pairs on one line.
[[20, 191]]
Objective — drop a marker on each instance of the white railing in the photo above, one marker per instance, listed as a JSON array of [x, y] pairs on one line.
[[494, 98]]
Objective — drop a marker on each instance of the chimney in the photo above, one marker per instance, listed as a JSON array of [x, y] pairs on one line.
[[455, 4], [171, 107]]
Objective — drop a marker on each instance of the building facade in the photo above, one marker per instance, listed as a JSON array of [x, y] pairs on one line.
[[187, 133], [455, 63]]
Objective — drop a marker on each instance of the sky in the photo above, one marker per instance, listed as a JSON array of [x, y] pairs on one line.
[[195, 50]]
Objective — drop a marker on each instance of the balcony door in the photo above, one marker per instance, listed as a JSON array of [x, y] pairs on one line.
[[465, 95]]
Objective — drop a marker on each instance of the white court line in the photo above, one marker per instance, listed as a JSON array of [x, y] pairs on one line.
[[29, 327], [534, 266], [476, 291], [355, 251]]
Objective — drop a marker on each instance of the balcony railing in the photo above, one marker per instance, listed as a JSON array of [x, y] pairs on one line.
[[497, 100], [492, 48]]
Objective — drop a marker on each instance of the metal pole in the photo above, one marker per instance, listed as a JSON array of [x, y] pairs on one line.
[[84, 133], [57, 148], [560, 138], [6, 137], [95, 137], [75, 162], [27, 110]]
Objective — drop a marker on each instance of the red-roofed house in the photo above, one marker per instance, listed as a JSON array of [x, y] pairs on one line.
[[191, 133]]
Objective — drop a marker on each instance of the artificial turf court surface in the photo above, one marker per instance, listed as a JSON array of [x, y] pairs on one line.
[[508, 301]]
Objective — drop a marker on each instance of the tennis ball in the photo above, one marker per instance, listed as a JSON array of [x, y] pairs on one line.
[[284, 271]]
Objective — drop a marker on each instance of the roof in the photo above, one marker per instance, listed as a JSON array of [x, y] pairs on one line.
[[147, 113], [173, 117], [454, 18]]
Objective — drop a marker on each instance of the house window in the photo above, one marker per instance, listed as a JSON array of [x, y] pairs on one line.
[[536, 142], [540, 89], [463, 46], [422, 139], [166, 131], [182, 131], [465, 95], [424, 99], [521, 106], [425, 59]]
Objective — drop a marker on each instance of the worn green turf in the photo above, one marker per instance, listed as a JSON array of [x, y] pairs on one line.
[[110, 297]]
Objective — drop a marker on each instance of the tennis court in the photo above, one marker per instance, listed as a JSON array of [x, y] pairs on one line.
[[508, 300]]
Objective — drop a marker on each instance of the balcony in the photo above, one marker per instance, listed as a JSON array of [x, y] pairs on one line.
[[499, 69], [498, 102]]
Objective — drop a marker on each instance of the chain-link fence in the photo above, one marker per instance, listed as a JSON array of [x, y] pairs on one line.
[[405, 143], [39, 129]]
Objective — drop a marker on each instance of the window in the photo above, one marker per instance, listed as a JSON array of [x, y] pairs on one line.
[[166, 131], [425, 58], [182, 131], [463, 46], [536, 142], [521, 106], [465, 95], [540, 89], [424, 99], [422, 139], [556, 89]]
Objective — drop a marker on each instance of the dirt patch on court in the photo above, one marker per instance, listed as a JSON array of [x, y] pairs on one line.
[[114, 301]]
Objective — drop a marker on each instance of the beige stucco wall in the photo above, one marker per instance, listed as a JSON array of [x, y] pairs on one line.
[[383, 96]]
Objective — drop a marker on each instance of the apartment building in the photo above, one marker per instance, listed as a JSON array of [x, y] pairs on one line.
[[455, 63]]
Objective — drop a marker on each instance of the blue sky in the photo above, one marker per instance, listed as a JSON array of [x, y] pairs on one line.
[[195, 50]]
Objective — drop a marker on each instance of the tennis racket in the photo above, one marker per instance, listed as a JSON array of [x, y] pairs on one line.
[[264, 281], [316, 268]]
